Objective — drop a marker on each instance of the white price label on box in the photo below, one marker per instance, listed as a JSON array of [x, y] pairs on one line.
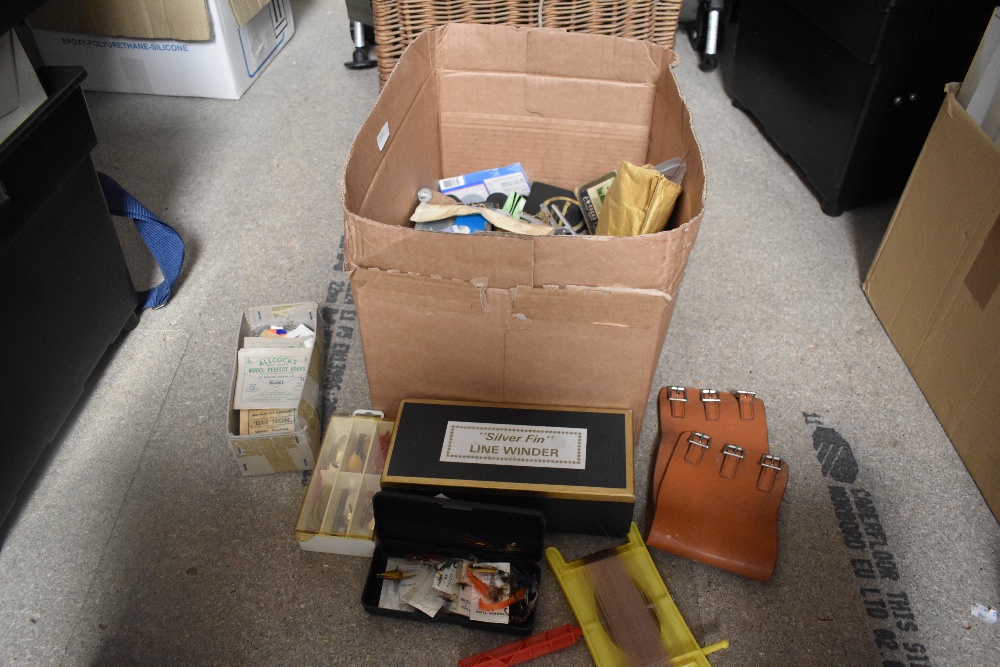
[[383, 136]]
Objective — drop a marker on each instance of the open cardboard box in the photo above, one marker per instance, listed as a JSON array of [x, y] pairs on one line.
[[270, 452], [558, 320], [195, 48]]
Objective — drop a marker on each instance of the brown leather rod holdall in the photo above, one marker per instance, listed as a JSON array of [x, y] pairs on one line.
[[716, 490]]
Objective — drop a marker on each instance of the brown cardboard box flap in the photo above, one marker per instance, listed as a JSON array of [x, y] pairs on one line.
[[521, 345], [183, 20], [469, 97], [933, 286]]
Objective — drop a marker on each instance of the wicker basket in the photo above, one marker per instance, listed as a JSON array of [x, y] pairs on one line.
[[398, 22]]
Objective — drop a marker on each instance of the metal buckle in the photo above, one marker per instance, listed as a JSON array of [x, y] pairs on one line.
[[770, 468], [772, 462], [677, 394], [697, 444], [677, 397], [711, 400], [731, 457], [745, 401], [733, 450], [700, 440]]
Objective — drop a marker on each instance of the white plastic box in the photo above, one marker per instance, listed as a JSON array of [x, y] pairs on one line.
[[336, 514]]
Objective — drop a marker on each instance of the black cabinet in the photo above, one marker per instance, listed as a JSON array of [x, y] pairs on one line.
[[848, 89], [65, 290]]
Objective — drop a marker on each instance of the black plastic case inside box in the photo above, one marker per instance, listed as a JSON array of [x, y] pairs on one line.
[[408, 525], [593, 495]]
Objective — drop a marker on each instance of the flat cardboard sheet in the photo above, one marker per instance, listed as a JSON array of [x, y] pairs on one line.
[[934, 281]]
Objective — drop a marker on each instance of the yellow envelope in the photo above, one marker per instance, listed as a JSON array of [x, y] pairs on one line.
[[639, 201]]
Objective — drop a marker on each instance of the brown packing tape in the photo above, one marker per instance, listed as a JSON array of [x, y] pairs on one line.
[[423, 293], [276, 450], [621, 310], [505, 261], [984, 275], [308, 416], [584, 261]]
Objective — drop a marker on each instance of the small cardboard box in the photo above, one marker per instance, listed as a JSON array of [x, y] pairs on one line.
[[194, 48], [336, 514], [282, 452], [496, 317], [573, 464], [934, 281], [411, 526]]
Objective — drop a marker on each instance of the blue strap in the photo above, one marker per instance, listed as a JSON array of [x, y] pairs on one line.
[[163, 241]]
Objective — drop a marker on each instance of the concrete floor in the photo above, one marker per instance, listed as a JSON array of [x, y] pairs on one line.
[[139, 542]]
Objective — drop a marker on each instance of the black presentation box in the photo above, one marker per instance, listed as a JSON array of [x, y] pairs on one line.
[[573, 464], [413, 526]]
